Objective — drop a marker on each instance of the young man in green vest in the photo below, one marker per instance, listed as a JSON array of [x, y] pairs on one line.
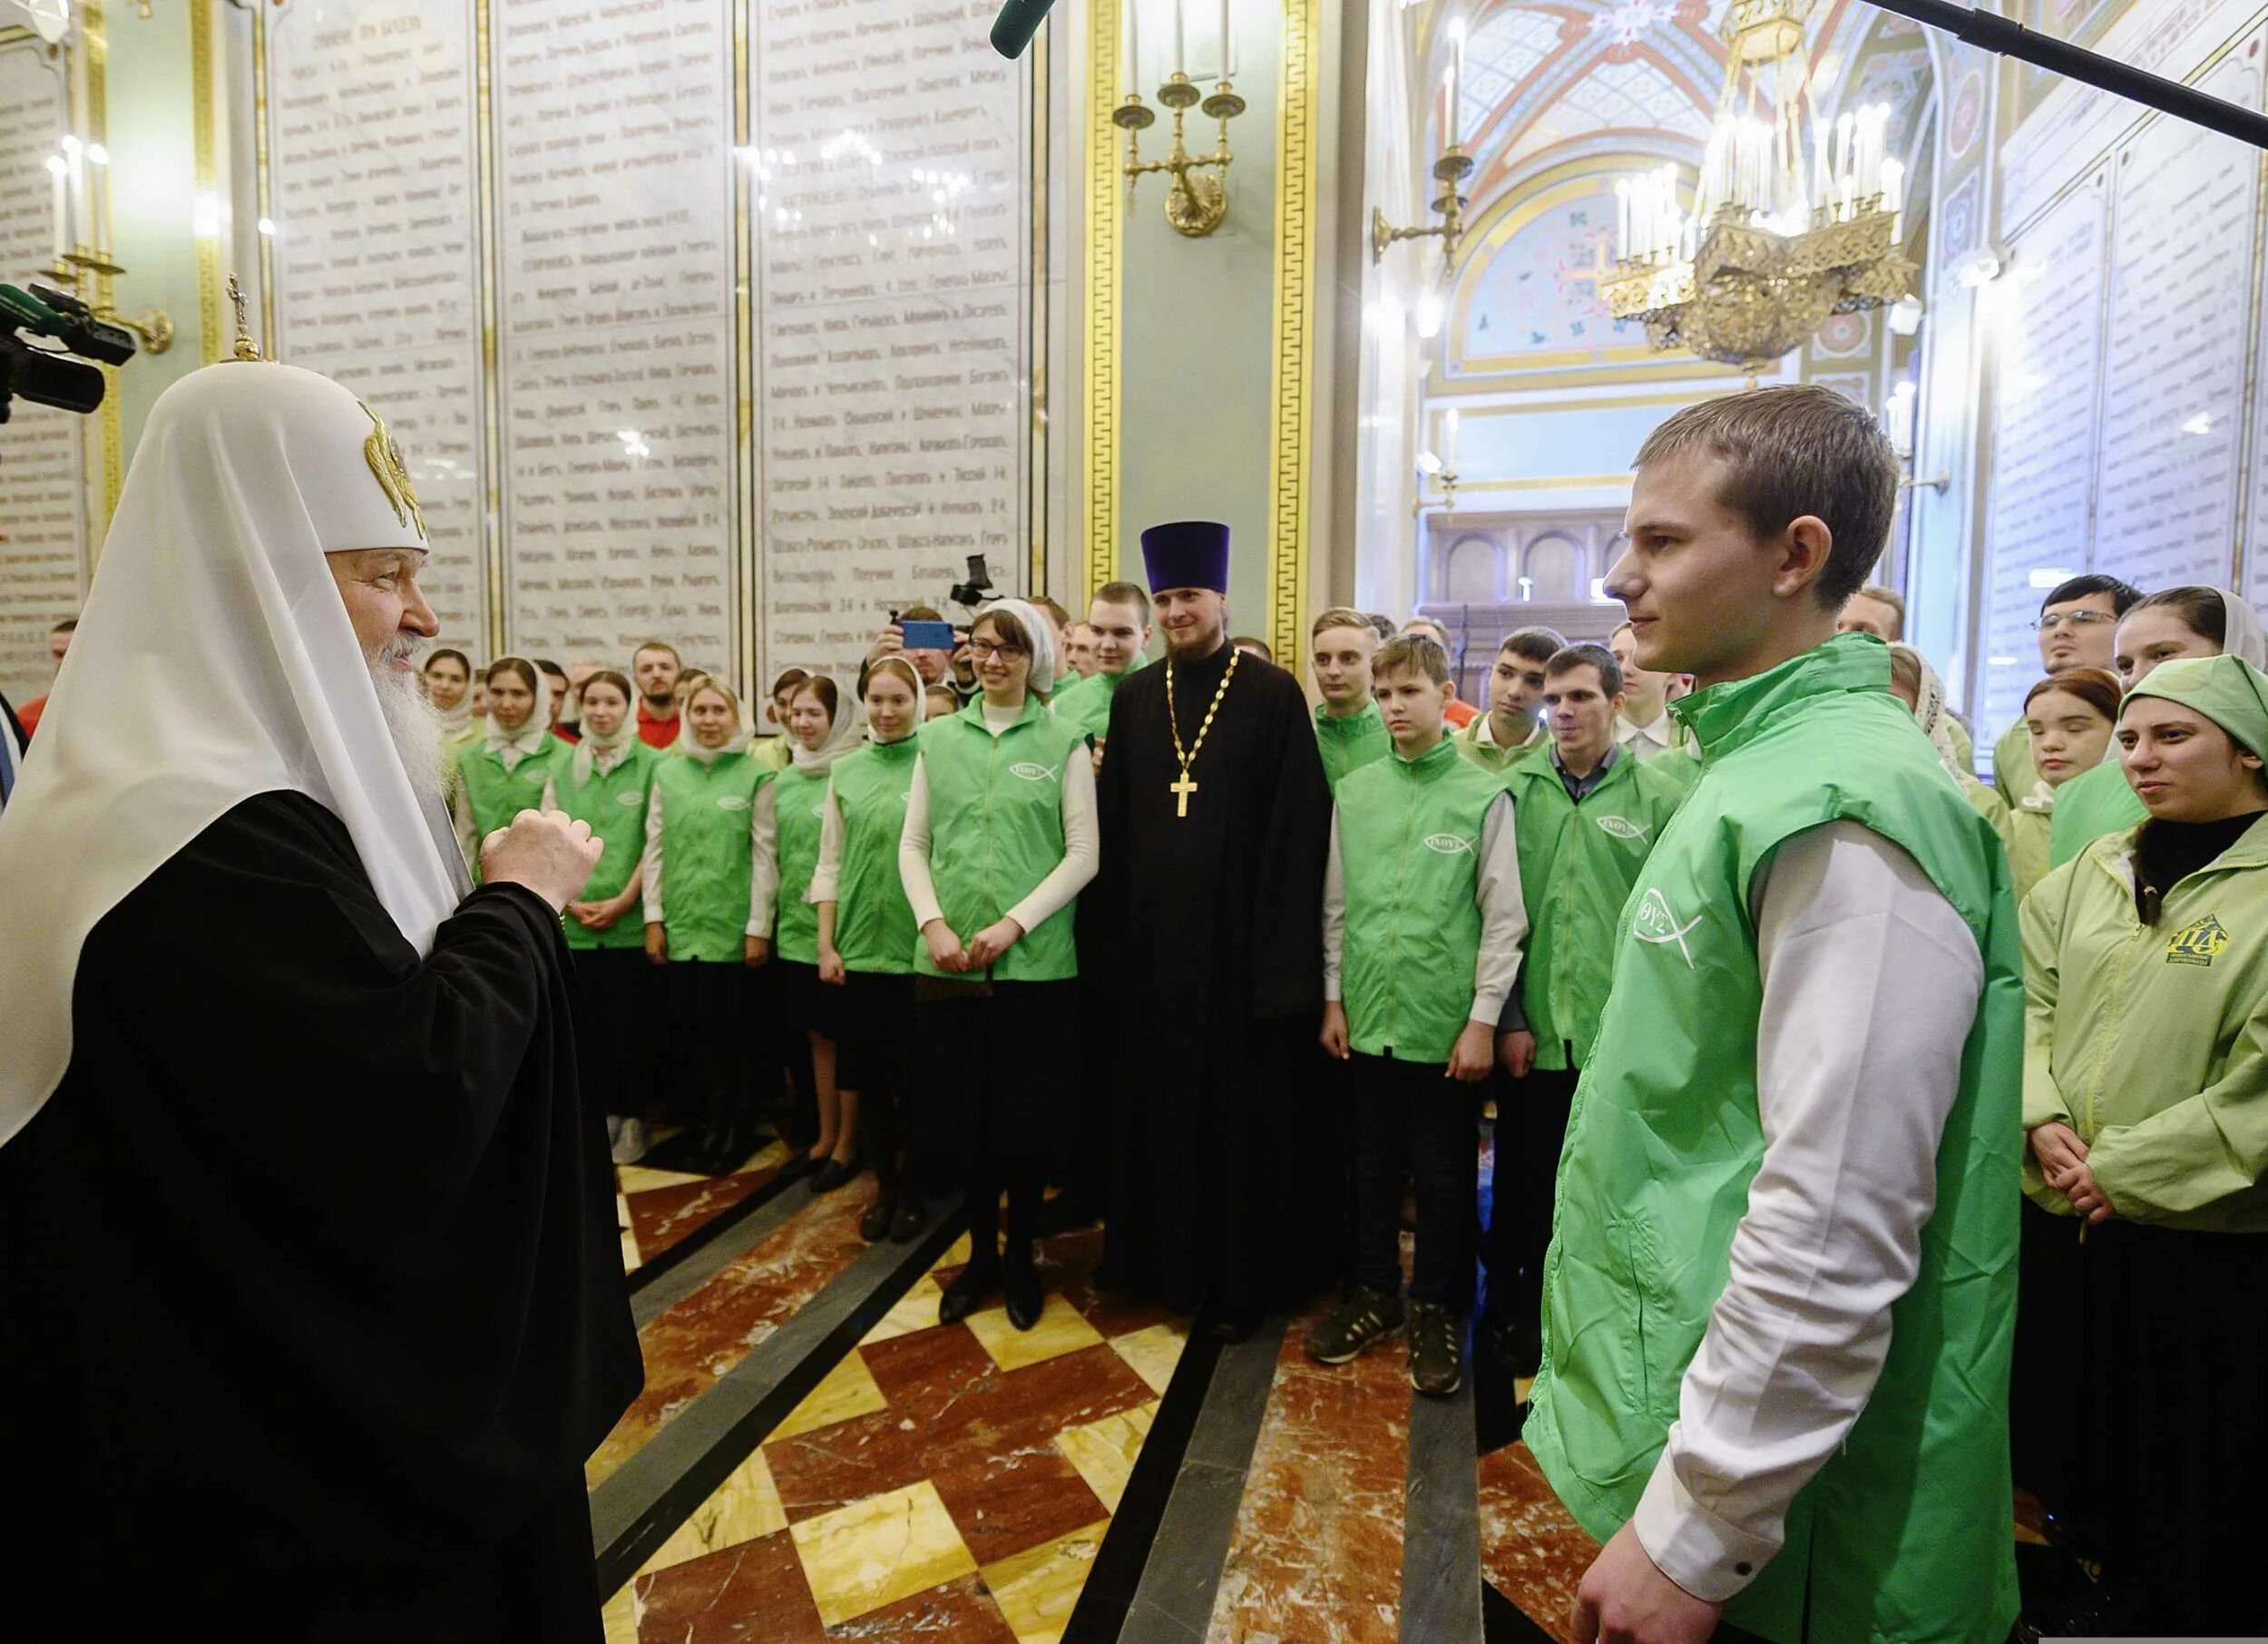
[[1421, 926], [1510, 730], [1349, 734], [1779, 1297], [1119, 620], [1587, 814]]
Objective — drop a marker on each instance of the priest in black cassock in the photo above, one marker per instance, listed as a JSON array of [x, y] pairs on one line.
[[311, 1300], [1215, 822]]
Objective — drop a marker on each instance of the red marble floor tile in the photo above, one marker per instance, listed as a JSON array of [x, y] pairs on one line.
[[704, 1336], [950, 1424], [1011, 1502], [661, 1216], [1531, 1551], [754, 1593], [1316, 1554], [960, 1612]]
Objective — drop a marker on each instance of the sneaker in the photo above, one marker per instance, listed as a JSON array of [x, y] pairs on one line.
[[1437, 1359], [629, 1142], [1365, 1320]]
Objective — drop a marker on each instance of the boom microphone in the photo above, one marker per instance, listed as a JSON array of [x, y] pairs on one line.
[[1019, 20]]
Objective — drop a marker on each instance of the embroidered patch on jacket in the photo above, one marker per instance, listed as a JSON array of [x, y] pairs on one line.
[[2198, 944], [1448, 845], [1655, 923], [1621, 827], [1033, 773]]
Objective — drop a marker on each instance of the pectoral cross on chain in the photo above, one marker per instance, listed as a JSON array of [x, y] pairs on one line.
[[1182, 790]]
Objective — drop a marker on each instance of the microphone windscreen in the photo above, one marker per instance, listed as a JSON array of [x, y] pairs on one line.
[[1019, 20]]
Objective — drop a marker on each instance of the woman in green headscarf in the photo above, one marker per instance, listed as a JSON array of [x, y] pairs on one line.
[[2146, 1103]]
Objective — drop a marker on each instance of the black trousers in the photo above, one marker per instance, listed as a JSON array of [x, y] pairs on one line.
[[1409, 1119], [611, 992], [1531, 1128], [874, 1056], [709, 1029]]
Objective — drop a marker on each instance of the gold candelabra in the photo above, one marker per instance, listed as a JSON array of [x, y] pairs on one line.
[[1451, 172], [86, 273], [1195, 204]]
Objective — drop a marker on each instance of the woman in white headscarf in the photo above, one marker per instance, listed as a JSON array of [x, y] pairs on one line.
[[2191, 622], [514, 765], [310, 1256], [821, 727], [1916, 684], [1000, 837], [448, 676]]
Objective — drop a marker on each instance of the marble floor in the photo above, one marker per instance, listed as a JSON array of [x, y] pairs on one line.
[[942, 1482], [661, 1209]]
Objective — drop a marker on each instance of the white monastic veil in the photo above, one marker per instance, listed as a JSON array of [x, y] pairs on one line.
[[213, 661], [2244, 637]]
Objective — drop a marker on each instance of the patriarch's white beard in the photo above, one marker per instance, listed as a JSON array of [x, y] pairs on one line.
[[415, 724]]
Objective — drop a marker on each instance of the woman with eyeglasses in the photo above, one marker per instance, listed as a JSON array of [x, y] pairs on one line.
[[2146, 1105], [2178, 622], [1000, 837]]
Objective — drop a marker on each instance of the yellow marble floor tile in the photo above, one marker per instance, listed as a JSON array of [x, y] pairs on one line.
[[747, 1505], [876, 1552], [632, 1257], [957, 1256], [620, 1618], [637, 1178], [846, 1391], [1060, 1330], [1103, 1451], [621, 1211], [915, 1310], [1037, 1590], [1153, 1353], [775, 1153]]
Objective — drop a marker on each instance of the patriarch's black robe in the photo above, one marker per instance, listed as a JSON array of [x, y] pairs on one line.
[[311, 1300], [1210, 927]]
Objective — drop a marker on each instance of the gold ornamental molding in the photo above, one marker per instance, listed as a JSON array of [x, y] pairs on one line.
[[1104, 282], [204, 139], [1292, 400]]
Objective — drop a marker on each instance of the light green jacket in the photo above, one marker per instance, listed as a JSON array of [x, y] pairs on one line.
[[1086, 705], [2013, 772], [2152, 1041], [2029, 831], [1487, 755], [1349, 744], [2090, 805]]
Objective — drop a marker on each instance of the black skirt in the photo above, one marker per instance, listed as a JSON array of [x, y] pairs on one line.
[[613, 1038], [2172, 1374], [992, 1071], [803, 1003], [874, 1043]]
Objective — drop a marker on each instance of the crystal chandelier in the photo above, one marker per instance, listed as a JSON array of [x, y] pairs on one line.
[[1794, 218]]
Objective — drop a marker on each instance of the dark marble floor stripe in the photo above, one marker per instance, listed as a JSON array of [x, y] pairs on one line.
[[1504, 1622], [1173, 1602], [1441, 1523], [639, 1506], [707, 1234], [737, 1231]]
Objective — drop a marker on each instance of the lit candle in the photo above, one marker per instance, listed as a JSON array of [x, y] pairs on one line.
[[56, 171], [1224, 39], [1449, 439], [98, 204], [1457, 62], [1180, 52], [1449, 131], [1845, 127], [1894, 196], [74, 157], [1134, 43], [1819, 162], [1622, 217]]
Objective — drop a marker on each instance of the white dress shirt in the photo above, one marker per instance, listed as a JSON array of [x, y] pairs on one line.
[[1871, 984]]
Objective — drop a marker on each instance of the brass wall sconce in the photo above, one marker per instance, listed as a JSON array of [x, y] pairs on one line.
[[1451, 172], [1195, 204], [86, 274]]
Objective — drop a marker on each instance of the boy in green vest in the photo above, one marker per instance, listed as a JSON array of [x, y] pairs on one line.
[[1421, 926], [1779, 1298], [1509, 729], [1349, 734], [1118, 619], [1587, 814]]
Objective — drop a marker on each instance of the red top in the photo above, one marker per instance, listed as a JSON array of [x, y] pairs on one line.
[[28, 715], [567, 733], [653, 732], [1461, 713]]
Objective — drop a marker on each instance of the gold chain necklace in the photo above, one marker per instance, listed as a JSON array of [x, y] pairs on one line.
[[1182, 789]]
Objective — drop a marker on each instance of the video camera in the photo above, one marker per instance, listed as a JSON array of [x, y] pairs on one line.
[[51, 377], [976, 589]]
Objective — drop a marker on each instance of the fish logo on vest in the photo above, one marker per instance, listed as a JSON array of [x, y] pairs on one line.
[[1449, 845], [1035, 773], [1655, 924], [1621, 827], [732, 801], [630, 801], [2198, 944]]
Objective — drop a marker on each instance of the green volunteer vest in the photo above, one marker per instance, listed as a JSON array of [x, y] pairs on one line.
[[996, 830], [1577, 865], [1488, 755], [498, 795], [1901, 1536], [706, 851], [874, 923], [798, 808], [1410, 856], [614, 805], [1087, 704], [2090, 805], [1351, 743]]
